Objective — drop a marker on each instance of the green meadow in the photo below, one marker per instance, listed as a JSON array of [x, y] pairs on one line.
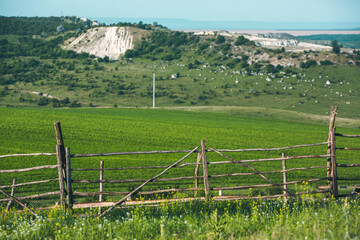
[[96, 130]]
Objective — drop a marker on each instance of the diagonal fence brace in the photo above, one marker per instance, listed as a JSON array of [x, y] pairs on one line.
[[146, 182], [256, 171], [16, 200]]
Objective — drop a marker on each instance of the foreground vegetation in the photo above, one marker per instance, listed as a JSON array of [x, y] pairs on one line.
[[296, 219]]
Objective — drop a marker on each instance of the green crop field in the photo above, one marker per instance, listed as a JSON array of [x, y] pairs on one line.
[[120, 130]]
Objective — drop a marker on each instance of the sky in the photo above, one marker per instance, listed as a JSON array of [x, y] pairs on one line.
[[198, 10]]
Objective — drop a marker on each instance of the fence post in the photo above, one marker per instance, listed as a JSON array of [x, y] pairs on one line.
[[101, 184], [197, 172], [205, 169], [284, 174], [59, 141], [12, 194], [61, 177], [68, 179], [329, 147], [334, 166]]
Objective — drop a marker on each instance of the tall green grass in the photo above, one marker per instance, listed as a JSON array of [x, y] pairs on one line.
[[317, 219]]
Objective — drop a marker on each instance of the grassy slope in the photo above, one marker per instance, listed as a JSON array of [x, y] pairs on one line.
[[201, 87], [112, 130]]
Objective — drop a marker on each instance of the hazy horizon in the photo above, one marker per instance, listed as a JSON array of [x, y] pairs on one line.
[[196, 11], [186, 24]]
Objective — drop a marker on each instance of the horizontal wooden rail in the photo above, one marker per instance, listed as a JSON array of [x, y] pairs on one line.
[[348, 165], [127, 153], [129, 168], [231, 198], [32, 196], [270, 149], [346, 135], [348, 179], [340, 187], [93, 194], [266, 185], [135, 180], [30, 183], [270, 172], [271, 159], [28, 169], [348, 148], [83, 194], [28, 154]]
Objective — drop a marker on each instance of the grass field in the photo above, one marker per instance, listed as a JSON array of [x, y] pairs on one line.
[[317, 219], [113, 130]]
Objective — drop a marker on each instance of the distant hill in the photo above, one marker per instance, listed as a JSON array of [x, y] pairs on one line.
[[69, 62], [346, 40]]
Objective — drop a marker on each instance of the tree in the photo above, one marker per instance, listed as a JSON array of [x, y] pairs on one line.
[[60, 29], [335, 47], [220, 39], [241, 40]]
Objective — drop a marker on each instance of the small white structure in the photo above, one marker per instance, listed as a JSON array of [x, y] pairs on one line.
[[328, 82], [174, 76]]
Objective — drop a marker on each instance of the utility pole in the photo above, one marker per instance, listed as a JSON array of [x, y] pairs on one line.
[[154, 87]]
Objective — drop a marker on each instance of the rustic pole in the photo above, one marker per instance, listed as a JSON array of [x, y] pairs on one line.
[[12, 194], [101, 184], [284, 173], [68, 179], [205, 169], [59, 141], [331, 130], [61, 177], [58, 134], [334, 165], [197, 172]]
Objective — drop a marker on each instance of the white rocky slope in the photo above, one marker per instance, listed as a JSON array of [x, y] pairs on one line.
[[103, 41]]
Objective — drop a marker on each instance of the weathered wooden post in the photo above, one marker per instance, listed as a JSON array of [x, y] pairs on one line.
[[12, 194], [284, 174], [60, 141], [197, 172], [61, 152], [101, 184], [61, 176], [68, 179], [334, 166], [205, 169], [330, 149]]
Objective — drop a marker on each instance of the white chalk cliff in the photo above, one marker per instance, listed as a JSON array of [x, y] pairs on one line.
[[103, 41]]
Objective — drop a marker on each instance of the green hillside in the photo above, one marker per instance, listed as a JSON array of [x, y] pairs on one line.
[[191, 70]]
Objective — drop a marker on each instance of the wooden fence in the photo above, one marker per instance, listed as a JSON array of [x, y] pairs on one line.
[[68, 194]]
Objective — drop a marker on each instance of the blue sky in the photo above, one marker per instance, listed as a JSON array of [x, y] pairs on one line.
[[200, 10]]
